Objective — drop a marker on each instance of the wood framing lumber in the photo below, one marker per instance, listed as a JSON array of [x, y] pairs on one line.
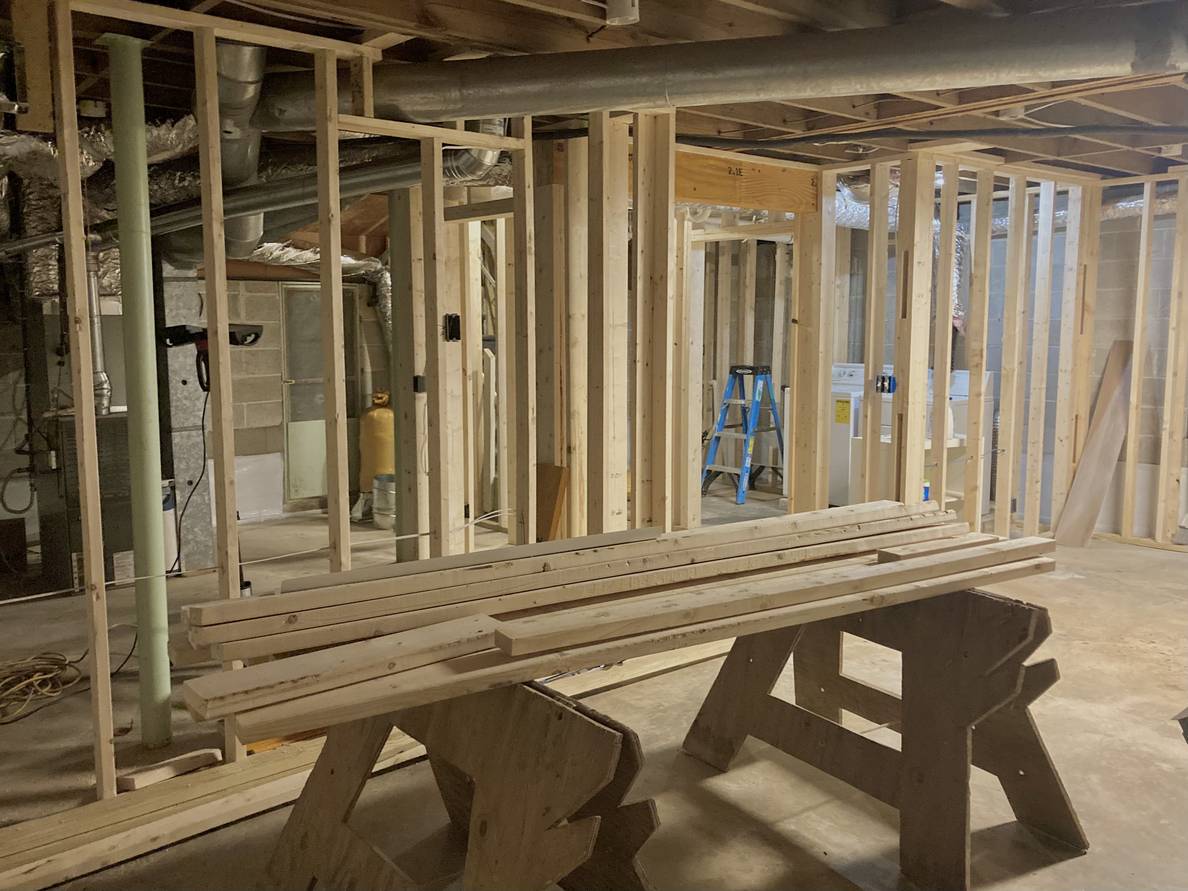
[[1142, 301], [475, 560], [338, 507], [656, 612], [1037, 397], [406, 258], [493, 668], [1171, 419], [54, 849], [577, 335], [187, 762], [876, 330], [552, 488], [913, 242], [76, 306], [215, 695], [1071, 296], [1103, 447], [935, 546], [653, 243], [443, 367], [31, 31], [214, 264], [507, 562], [1014, 303], [742, 181], [815, 247], [558, 585], [595, 583], [942, 336], [49, 850], [608, 308], [1090, 231], [977, 321], [522, 331], [350, 123]]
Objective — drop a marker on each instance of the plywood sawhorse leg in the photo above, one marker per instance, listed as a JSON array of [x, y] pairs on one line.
[[535, 781], [966, 699]]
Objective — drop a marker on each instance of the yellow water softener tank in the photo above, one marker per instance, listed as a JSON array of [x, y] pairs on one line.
[[377, 436]]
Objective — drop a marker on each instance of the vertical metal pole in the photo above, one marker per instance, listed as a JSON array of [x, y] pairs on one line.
[[144, 427]]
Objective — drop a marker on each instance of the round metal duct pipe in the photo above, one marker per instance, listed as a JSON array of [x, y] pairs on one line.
[[935, 54]]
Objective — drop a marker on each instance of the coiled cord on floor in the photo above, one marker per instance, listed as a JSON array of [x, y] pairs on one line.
[[30, 684]]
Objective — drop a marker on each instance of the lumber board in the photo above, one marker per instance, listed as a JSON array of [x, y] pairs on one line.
[[493, 668], [49, 850], [1037, 381], [506, 562], [79, 334], [1071, 297], [1103, 446], [1014, 309], [942, 336], [1171, 418], [935, 546], [338, 487], [338, 624], [171, 767], [1142, 301], [739, 181], [876, 329], [656, 612], [215, 695], [913, 242], [976, 326], [459, 561]]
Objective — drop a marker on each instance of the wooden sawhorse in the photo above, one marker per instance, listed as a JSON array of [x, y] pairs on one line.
[[535, 780], [965, 699]]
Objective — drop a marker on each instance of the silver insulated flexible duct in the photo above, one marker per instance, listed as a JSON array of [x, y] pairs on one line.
[[930, 54]]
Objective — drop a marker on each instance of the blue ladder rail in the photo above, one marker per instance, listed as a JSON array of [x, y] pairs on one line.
[[762, 398]]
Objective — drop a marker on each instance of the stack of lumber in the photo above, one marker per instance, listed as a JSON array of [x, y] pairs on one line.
[[358, 644]]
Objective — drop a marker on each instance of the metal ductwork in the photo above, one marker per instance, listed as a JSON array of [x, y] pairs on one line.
[[240, 70], [933, 54]]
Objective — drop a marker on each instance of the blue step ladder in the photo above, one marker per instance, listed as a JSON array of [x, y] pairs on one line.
[[750, 408]]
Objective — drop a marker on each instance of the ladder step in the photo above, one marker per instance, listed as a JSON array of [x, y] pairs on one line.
[[737, 401], [730, 434], [722, 468]]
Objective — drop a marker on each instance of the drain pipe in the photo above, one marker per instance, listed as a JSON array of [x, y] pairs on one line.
[[140, 353], [101, 382]]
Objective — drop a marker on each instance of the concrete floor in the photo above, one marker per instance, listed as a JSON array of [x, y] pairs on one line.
[[1120, 621]]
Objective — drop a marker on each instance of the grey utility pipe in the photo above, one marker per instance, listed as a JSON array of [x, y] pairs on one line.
[[933, 54], [140, 363]]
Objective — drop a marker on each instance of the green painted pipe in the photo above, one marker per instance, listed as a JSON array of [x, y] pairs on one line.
[[140, 364]]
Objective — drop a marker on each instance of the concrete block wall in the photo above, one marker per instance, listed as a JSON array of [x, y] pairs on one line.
[[257, 371]]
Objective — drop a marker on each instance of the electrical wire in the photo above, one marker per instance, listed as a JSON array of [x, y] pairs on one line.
[[33, 683]]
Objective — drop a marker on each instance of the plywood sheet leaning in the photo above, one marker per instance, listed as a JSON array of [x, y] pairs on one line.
[[1103, 447]]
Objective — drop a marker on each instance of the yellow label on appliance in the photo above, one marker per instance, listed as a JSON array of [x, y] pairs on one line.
[[841, 411]]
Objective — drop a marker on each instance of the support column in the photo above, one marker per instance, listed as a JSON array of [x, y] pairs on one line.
[[140, 351]]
